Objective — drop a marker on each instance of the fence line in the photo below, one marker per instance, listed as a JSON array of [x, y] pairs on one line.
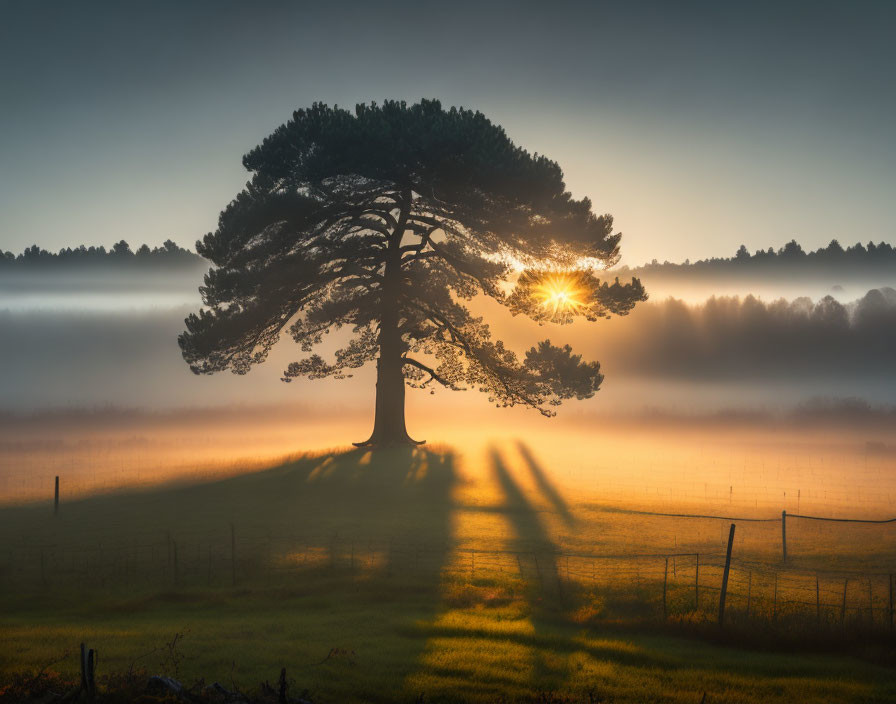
[[839, 520], [227, 556], [690, 515], [754, 588], [776, 519]]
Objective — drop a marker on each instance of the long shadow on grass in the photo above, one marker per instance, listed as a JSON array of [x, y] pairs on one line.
[[360, 535], [531, 536], [374, 498], [544, 484], [553, 641]]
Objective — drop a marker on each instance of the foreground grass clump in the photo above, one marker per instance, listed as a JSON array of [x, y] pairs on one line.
[[358, 574]]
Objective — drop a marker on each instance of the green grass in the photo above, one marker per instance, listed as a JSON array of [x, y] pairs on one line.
[[391, 626], [394, 643]]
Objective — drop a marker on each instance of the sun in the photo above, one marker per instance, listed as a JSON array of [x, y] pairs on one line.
[[559, 293]]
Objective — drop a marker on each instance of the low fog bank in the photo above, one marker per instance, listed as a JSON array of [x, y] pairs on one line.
[[99, 290], [843, 447], [124, 358], [726, 352], [818, 412], [825, 412], [694, 291], [101, 280]]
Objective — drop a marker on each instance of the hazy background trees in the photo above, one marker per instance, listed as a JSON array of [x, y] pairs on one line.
[[168, 256], [789, 257]]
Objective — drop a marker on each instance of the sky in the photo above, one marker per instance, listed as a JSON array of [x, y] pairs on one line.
[[698, 125]]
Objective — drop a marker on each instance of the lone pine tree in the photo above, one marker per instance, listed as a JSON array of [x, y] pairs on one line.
[[386, 221]]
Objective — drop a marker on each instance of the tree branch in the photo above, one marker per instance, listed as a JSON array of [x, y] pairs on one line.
[[432, 374], [460, 341]]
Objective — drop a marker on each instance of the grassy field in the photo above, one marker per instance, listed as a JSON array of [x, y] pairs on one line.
[[354, 572]]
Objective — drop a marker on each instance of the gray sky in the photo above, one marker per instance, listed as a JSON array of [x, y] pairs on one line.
[[699, 126]]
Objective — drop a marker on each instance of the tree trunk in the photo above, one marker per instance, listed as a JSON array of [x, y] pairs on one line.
[[388, 426]]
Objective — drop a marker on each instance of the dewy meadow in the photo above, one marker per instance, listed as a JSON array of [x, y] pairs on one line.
[[394, 409]]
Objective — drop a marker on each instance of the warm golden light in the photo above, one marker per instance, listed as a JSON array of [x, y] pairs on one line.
[[559, 293]]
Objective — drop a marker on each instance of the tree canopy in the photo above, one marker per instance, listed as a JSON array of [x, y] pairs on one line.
[[387, 221]]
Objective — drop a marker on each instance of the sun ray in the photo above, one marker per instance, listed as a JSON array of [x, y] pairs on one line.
[[559, 293]]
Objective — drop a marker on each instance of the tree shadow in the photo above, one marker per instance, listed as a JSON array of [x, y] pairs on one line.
[[402, 493], [385, 511], [544, 484], [340, 550], [532, 536]]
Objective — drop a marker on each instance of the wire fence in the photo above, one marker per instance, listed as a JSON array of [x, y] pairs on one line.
[[657, 584]]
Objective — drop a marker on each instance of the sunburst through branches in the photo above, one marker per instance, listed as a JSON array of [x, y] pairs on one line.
[[560, 293], [557, 296], [554, 295]]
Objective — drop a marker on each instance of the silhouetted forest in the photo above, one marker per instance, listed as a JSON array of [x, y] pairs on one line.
[[733, 337], [168, 256], [789, 258]]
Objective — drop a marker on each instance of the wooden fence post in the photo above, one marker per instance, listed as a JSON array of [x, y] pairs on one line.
[[88, 673], [83, 668], [281, 698], [56, 498], [91, 675], [783, 536], [725, 577]]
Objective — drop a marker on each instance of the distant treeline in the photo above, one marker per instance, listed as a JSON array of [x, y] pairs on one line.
[[790, 257], [169, 255]]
